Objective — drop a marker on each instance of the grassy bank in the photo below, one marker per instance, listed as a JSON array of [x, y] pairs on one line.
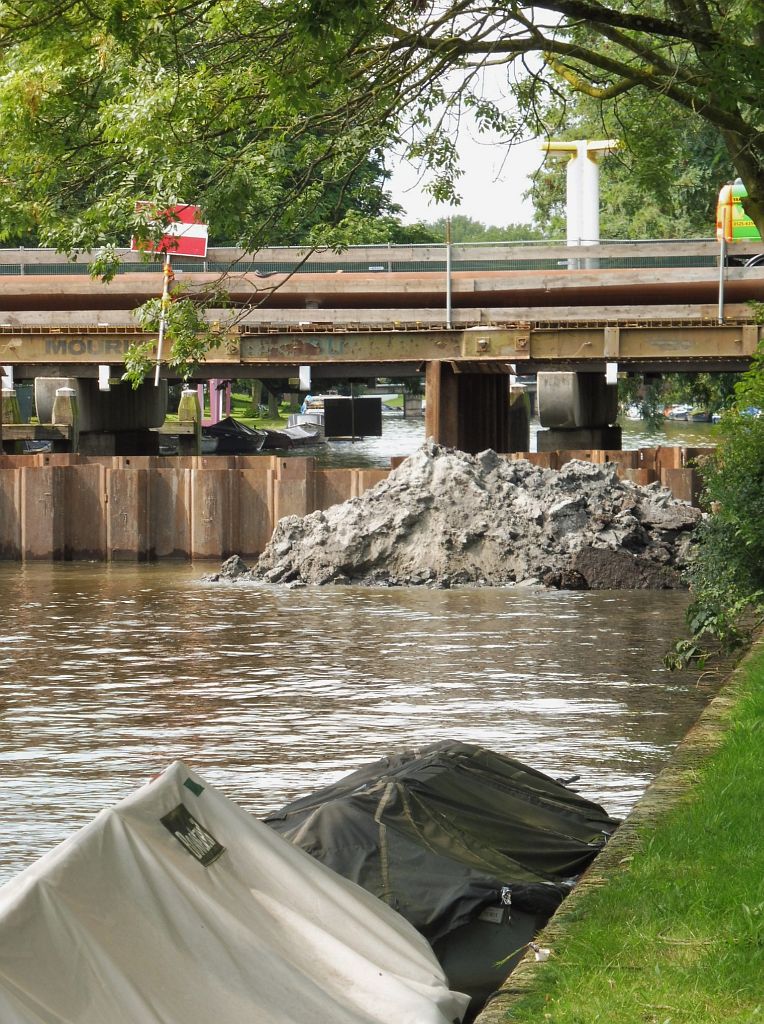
[[668, 927]]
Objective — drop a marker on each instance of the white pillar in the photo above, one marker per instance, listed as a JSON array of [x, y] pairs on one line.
[[583, 186], [590, 200]]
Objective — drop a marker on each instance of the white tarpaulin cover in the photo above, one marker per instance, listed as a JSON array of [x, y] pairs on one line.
[[177, 906]]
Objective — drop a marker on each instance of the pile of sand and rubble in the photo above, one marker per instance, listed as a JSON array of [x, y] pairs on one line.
[[445, 518]]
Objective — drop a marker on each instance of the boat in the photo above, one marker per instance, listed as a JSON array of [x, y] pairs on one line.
[[677, 412], [699, 415], [311, 414], [313, 418], [473, 848], [292, 437], [177, 906], [230, 436]]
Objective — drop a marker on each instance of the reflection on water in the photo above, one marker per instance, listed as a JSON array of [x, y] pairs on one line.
[[109, 673], [637, 434]]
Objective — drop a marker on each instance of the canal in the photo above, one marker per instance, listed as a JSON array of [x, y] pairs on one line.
[[403, 436], [109, 672]]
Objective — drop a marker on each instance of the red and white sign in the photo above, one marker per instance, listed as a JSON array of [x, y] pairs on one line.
[[183, 233]]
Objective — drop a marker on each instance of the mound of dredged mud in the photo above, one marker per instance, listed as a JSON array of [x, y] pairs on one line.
[[447, 518]]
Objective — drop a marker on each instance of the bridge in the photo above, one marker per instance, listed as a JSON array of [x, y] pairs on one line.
[[461, 315]]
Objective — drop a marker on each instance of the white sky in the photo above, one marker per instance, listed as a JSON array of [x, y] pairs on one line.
[[491, 187]]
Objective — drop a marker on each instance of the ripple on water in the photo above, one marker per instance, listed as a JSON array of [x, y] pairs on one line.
[[112, 672]]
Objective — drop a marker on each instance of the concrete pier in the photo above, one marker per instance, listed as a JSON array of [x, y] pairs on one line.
[[142, 508]]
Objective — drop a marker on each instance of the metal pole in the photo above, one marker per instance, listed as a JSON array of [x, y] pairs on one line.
[[722, 274], [448, 273], [167, 274]]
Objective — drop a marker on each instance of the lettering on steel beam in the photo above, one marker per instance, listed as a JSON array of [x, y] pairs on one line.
[[86, 346]]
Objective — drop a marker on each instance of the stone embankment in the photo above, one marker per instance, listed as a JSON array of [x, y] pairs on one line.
[[445, 518]]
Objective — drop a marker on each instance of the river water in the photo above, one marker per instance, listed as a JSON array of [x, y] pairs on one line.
[[403, 436], [109, 673]]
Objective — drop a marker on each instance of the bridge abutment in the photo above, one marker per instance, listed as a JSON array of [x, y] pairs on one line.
[[113, 422]]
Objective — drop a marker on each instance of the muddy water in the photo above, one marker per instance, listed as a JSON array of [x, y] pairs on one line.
[[403, 436], [107, 674]]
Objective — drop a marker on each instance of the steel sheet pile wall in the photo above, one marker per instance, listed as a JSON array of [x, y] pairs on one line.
[[140, 508]]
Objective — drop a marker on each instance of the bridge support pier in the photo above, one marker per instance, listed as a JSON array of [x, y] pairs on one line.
[[579, 410], [469, 411], [114, 422]]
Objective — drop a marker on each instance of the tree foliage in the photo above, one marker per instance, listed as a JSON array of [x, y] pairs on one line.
[[662, 181], [465, 229], [204, 101], [267, 114], [727, 572]]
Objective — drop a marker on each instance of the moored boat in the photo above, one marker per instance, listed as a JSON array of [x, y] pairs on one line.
[[473, 848], [178, 907], [230, 436], [292, 437]]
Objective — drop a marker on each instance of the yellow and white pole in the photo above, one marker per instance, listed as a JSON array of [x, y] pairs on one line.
[[167, 275]]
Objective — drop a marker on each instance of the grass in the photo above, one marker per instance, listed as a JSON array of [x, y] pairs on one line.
[[242, 410], [675, 935]]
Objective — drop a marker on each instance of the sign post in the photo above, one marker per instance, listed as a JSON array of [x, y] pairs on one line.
[[167, 275]]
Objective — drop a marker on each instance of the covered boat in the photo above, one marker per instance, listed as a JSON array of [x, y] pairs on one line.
[[176, 906], [230, 436], [293, 437], [475, 849]]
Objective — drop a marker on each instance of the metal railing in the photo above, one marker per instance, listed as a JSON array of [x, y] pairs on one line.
[[472, 258]]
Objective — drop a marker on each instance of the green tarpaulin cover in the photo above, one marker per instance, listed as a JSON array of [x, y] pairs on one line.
[[441, 832]]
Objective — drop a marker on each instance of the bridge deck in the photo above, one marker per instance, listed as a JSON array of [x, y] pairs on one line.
[[372, 318]]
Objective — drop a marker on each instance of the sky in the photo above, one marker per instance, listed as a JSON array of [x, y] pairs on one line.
[[491, 187]]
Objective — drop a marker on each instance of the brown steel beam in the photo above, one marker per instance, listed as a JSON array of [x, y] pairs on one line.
[[538, 344]]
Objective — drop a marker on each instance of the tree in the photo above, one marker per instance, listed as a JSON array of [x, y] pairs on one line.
[[707, 60], [265, 113], [465, 229], [727, 571], [203, 101], [662, 181]]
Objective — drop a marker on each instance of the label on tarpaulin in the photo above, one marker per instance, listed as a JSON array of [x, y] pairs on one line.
[[200, 843]]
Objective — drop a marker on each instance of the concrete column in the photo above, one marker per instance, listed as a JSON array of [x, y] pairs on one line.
[[66, 413], [469, 411], [190, 413], [580, 410], [122, 408], [441, 398]]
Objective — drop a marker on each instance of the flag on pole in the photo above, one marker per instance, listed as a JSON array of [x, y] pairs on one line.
[[183, 233]]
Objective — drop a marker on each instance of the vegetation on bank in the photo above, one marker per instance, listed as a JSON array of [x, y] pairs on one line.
[[727, 573], [677, 935]]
